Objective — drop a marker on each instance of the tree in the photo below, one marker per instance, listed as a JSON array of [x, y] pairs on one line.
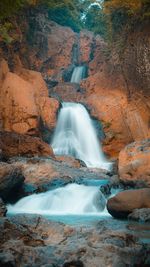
[[95, 20]]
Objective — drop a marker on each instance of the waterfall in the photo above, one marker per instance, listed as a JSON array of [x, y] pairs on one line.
[[75, 136], [70, 199], [78, 74]]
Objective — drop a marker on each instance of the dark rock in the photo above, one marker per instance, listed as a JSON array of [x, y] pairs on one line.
[[3, 208], [73, 264], [105, 189], [68, 73], [11, 178], [141, 215]]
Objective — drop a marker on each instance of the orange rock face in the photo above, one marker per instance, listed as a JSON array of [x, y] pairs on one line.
[[13, 144], [53, 48], [124, 119], [134, 162], [23, 101]]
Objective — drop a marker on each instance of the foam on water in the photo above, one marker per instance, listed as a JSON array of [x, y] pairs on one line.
[[72, 199]]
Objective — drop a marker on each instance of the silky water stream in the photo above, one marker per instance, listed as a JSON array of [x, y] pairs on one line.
[[74, 136]]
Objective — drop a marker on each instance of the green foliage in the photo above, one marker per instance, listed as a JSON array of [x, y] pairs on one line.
[[66, 13], [95, 20], [125, 12], [4, 32], [107, 19], [9, 7]]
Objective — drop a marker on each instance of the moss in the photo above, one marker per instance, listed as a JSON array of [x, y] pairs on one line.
[[4, 32]]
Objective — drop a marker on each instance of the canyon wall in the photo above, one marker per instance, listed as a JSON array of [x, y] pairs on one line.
[[116, 91]]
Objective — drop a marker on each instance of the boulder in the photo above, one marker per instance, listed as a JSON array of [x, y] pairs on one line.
[[13, 144], [125, 202], [44, 173], [10, 178], [134, 162]]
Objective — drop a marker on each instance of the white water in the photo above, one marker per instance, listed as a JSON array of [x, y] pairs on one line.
[[78, 74], [75, 136], [72, 199]]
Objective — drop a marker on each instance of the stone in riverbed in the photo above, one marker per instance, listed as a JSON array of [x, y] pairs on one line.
[[141, 215], [45, 243], [10, 178], [125, 202]]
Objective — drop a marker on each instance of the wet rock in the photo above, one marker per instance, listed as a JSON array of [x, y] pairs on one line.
[[106, 189], [134, 162], [13, 144], [45, 243], [67, 92], [125, 202], [141, 215], [3, 208], [42, 174], [11, 178], [72, 162], [68, 73]]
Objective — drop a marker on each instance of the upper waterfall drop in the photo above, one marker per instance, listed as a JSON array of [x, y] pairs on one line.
[[78, 74], [75, 136]]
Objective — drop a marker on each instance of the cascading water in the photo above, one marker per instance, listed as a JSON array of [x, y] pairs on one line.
[[75, 136], [71, 199], [78, 74]]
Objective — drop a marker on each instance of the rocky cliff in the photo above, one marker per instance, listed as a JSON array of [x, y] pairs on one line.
[[117, 89]]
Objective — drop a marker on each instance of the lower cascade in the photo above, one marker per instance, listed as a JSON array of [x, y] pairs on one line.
[[70, 199], [75, 136]]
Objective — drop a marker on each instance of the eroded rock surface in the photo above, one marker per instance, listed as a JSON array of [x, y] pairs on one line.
[[134, 162], [13, 144], [44, 243]]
